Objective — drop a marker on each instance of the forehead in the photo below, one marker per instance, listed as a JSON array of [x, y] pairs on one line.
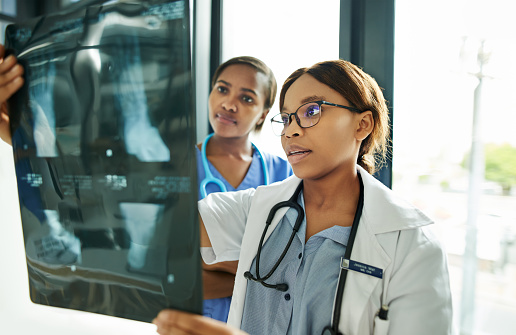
[[244, 76], [307, 86]]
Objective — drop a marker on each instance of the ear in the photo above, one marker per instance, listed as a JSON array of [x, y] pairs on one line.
[[262, 117], [365, 125]]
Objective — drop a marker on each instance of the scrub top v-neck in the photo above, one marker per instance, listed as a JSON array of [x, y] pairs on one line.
[[278, 169]]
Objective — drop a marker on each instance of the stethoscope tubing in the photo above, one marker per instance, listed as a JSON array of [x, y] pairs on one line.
[[332, 329], [210, 178], [292, 203], [300, 213], [341, 284]]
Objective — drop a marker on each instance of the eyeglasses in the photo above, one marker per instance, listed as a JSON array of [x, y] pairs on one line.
[[307, 115]]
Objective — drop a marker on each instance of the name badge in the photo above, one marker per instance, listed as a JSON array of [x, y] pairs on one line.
[[349, 264]]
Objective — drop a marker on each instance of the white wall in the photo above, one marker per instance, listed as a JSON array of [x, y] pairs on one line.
[[18, 315]]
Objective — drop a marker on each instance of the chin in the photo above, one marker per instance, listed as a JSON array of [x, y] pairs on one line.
[[302, 173], [309, 173]]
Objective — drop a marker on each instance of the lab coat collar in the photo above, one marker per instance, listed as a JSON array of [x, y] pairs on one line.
[[384, 211]]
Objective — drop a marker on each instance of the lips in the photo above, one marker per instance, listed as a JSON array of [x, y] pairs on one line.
[[295, 153], [295, 149], [224, 118], [298, 152]]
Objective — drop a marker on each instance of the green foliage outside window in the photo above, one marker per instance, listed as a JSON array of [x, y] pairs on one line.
[[501, 165]]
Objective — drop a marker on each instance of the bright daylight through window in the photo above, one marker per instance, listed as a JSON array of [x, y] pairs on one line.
[[455, 146]]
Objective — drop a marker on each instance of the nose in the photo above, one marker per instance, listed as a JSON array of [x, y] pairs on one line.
[[229, 104], [293, 129]]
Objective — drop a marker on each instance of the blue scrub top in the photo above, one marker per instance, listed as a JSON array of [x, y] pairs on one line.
[[278, 169]]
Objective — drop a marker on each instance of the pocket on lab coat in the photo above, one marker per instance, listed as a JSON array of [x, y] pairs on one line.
[[381, 327]]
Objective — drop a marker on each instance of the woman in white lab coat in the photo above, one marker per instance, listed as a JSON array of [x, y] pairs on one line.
[[333, 127]]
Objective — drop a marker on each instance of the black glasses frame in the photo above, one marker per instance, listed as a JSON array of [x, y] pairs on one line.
[[318, 102]]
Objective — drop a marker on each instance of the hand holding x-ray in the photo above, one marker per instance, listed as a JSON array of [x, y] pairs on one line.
[[10, 81]]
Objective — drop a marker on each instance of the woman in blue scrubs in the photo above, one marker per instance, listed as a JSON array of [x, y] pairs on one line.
[[243, 91]]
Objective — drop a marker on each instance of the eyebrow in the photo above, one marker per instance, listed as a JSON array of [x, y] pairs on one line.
[[309, 99], [243, 89], [224, 82], [312, 98], [249, 90]]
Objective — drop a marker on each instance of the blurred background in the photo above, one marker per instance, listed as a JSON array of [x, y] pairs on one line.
[[447, 68]]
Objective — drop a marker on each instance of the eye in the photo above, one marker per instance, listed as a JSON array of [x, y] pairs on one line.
[[311, 111], [284, 118], [247, 99], [222, 89]]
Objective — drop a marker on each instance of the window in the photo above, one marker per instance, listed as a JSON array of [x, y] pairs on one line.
[[436, 69], [283, 35]]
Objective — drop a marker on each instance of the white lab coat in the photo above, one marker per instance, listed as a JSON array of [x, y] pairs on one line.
[[392, 236]]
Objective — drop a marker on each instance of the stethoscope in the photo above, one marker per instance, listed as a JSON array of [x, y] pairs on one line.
[[208, 176], [292, 203]]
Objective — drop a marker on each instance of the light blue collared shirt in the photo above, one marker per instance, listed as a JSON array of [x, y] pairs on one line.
[[311, 271]]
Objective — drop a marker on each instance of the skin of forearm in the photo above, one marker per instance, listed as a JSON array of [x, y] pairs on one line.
[[229, 267], [217, 284]]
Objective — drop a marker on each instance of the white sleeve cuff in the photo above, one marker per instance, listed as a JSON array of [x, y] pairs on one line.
[[209, 257]]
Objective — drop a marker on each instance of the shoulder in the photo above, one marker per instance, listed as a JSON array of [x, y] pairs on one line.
[[273, 159], [282, 190], [279, 167], [215, 199], [270, 156]]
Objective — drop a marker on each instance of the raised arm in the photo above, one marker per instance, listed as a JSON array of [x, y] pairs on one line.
[[218, 278], [10, 81]]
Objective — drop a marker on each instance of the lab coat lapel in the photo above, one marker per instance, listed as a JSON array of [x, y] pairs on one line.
[[359, 287], [384, 215], [366, 249]]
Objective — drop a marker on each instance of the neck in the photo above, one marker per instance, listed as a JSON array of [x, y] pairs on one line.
[[333, 190], [235, 146]]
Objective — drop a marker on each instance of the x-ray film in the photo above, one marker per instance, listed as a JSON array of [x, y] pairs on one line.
[[103, 141]]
